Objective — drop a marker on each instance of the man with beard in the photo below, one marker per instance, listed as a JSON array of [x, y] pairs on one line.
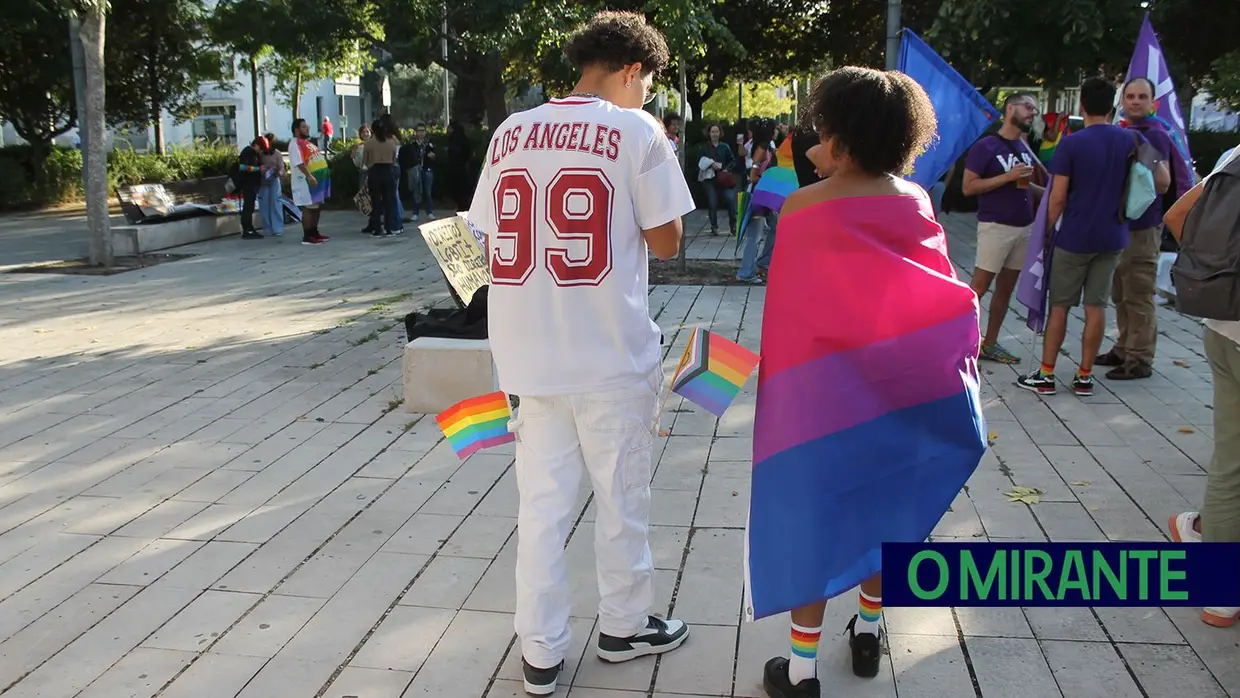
[[1134, 286], [999, 171]]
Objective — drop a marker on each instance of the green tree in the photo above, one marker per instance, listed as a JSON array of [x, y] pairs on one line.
[[1199, 45], [1024, 42], [158, 61], [36, 77], [240, 27], [760, 100], [320, 40], [1224, 80]]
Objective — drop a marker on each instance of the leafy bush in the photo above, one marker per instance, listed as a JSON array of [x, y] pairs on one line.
[[60, 178], [1208, 146]]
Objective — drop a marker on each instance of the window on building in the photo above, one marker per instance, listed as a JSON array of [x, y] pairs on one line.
[[216, 124]]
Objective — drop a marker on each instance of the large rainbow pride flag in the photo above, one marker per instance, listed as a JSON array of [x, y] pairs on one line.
[[316, 163], [776, 184], [868, 419]]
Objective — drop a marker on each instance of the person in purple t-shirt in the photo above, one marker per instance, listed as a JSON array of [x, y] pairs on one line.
[[1000, 170], [1134, 286], [1090, 170]]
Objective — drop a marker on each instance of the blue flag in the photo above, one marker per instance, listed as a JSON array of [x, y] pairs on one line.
[[963, 113]]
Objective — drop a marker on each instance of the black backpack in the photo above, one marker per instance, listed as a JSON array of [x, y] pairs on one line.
[[1207, 270]]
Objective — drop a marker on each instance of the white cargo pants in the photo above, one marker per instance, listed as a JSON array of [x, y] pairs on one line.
[[609, 435]]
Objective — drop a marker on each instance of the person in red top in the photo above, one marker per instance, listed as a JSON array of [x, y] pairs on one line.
[[327, 131]]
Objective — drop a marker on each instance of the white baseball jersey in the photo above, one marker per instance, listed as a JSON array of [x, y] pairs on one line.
[[565, 192]]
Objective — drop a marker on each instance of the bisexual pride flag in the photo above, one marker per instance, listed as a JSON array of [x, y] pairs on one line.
[[868, 420]]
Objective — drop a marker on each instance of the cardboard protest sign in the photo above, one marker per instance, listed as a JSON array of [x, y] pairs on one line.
[[459, 255], [480, 236]]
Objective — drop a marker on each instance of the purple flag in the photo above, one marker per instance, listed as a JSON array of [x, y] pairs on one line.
[[1148, 62], [1031, 289]]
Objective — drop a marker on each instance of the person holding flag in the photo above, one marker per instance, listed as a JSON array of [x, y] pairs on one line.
[[1002, 172], [1134, 287], [829, 484], [571, 333]]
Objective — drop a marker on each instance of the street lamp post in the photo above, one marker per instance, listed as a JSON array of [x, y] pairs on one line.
[[893, 34]]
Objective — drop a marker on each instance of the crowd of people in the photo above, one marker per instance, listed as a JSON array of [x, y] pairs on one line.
[[575, 347], [390, 172]]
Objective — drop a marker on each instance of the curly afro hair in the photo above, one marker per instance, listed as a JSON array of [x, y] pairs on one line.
[[881, 120], [616, 39]]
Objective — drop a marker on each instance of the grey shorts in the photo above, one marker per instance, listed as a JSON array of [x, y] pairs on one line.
[[1081, 277]]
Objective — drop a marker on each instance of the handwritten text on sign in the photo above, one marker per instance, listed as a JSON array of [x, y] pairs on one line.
[[459, 255]]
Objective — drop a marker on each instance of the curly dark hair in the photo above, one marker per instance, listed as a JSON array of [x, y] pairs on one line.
[[616, 39], [880, 120]]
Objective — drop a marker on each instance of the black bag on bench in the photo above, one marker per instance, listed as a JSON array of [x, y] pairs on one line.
[[452, 323]]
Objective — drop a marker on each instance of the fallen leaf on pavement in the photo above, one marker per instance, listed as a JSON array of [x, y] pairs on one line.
[[1186, 430], [1025, 495], [1081, 483], [1177, 362]]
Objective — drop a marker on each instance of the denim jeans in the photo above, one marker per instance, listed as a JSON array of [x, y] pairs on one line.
[[715, 196], [751, 259], [271, 206], [936, 197], [768, 245], [428, 182], [396, 208]]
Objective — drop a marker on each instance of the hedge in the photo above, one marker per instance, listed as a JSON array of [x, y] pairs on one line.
[[62, 183]]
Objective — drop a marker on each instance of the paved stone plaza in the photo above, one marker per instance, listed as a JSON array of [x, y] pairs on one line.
[[209, 488]]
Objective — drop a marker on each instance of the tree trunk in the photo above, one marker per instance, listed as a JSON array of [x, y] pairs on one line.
[[495, 93], [157, 117], [254, 93], [97, 175], [682, 261], [297, 95]]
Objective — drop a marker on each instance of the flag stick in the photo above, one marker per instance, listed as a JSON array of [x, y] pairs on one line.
[[684, 359]]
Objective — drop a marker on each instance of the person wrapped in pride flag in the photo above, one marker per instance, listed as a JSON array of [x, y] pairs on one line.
[[868, 419]]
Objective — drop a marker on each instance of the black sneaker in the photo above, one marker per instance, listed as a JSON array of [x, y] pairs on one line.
[[380, 234], [1083, 387], [867, 651], [1038, 383], [1109, 359], [777, 684], [251, 235], [540, 682], [659, 636]]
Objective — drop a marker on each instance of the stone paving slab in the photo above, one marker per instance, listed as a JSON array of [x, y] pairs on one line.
[[208, 490]]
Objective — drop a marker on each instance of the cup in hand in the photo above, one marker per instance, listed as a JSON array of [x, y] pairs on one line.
[[1026, 176]]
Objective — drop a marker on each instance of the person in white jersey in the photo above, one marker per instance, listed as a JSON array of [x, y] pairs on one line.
[[573, 196]]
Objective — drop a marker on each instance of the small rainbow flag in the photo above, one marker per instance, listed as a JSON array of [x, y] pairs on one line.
[[477, 423], [712, 371]]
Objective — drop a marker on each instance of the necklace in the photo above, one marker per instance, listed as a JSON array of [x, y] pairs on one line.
[[590, 95]]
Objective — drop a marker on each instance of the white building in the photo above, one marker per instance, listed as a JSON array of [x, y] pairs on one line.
[[227, 115]]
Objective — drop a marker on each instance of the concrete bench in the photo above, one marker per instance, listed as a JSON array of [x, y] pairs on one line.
[[130, 240], [441, 372]]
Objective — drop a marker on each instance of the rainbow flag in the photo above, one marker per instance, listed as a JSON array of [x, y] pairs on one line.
[[868, 418], [712, 371], [776, 184], [316, 163], [477, 423]]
